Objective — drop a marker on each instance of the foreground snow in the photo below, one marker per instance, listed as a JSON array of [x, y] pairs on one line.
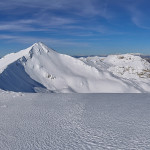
[[74, 121]]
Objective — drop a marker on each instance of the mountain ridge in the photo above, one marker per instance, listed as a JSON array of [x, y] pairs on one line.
[[41, 69]]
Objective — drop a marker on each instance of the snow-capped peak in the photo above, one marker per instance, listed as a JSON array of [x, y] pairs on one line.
[[41, 47], [39, 68], [36, 48]]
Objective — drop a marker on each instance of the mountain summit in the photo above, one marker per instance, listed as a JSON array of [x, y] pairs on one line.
[[41, 69], [41, 47]]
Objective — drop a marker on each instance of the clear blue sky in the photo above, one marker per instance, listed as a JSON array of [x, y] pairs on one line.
[[76, 27]]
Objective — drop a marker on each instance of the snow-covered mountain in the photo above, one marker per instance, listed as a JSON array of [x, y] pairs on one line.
[[41, 69]]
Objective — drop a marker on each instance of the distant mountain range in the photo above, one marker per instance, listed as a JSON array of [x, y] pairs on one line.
[[41, 69]]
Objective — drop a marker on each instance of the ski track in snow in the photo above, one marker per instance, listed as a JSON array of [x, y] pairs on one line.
[[74, 121]]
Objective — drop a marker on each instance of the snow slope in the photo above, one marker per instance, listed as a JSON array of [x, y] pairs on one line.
[[129, 66], [126, 67], [74, 121], [40, 68]]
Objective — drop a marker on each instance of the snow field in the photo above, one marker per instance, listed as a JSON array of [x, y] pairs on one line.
[[74, 121]]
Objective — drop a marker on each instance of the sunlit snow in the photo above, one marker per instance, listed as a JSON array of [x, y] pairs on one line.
[[74, 121], [41, 69]]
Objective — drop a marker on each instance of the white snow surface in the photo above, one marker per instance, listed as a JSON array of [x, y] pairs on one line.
[[74, 121], [125, 67], [128, 66], [41, 69]]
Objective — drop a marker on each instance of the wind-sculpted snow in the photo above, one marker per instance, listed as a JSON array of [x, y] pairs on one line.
[[74, 121]]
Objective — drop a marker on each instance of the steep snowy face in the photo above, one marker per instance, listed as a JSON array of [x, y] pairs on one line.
[[13, 76], [40, 49], [128, 66], [40, 68], [10, 58], [63, 73]]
